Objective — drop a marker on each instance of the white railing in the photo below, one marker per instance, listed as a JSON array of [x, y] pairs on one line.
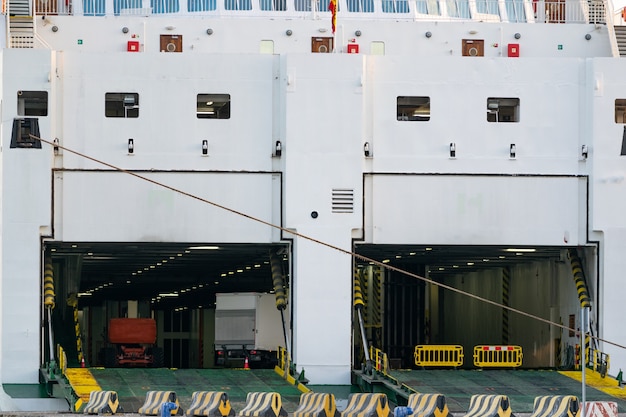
[[539, 11]]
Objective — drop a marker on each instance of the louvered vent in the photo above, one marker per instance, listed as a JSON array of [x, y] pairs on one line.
[[343, 200]]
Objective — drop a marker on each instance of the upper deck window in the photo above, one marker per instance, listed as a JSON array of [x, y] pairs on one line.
[[238, 4], [395, 6], [413, 109], [32, 103], [201, 5], [502, 110], [458, 8], [361, 6], [121, 105], [213, 106], [164, 6]]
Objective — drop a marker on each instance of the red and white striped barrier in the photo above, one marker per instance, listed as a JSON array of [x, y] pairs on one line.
[[600, 409]]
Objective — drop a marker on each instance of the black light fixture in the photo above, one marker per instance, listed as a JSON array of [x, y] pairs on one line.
[[278, 148], [56, 146], [512, 151], [584, 152], [452, 150], [366, 149], [205, 147], [131, 146]]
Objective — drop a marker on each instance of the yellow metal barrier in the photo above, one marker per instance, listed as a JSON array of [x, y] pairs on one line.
[[600, 362], [438, 355], [379, 358], [502, 356], [556, 406]]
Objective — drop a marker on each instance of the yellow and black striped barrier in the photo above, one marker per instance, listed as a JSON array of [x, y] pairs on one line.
[[438, 355], [154, 400], [210, 403], [367, 405], [482, 405], [428, 405], [263, 404], [103, 402], [317, 404], [556, 406], [497, 356]]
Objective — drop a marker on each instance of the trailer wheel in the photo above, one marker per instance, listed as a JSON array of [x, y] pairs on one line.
[[109, 357]]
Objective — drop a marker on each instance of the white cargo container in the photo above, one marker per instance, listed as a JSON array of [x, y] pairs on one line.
[[248, 325]]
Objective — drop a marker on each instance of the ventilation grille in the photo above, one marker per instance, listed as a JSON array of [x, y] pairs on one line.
[[343, 200]]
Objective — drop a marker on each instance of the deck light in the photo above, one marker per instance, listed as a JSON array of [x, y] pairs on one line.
[[278, 148], [366, 149], [452, 150], [584, 152], [289, 32], [131, 146], [205, 147], [428, 34], [512, 151], [209, 31], [517, 35]]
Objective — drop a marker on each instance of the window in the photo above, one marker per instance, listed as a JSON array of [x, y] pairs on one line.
[[32, 103], [238, 4], [502, 110], [280, 5], [213, 106], [395, 6], [363, 6], [121, 105], [413, 109], [620, 110], [201, 5], [164, 6]]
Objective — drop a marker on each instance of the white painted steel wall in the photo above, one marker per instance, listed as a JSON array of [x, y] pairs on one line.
[[323, 108], [26, 214]]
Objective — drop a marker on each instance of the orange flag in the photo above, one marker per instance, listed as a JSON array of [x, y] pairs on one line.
[[332, 6]]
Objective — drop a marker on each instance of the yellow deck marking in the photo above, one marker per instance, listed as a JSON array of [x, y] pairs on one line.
[[607, 384], [82, 381]]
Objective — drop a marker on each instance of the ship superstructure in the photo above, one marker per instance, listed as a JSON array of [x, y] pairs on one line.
[[477, 144]]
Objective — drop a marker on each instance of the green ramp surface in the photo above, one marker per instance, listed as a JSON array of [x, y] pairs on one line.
[[521, 386], [132, 384]]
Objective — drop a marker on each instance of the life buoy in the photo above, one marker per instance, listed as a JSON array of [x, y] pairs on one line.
[[624, 14]]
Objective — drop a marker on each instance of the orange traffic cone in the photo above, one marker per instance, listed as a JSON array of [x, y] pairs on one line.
[[245, 363]]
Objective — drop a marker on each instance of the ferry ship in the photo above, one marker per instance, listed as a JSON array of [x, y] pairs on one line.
[[464, 159]]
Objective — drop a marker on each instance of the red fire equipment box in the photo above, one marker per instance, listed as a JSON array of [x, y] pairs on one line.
[[353, 48], [133, 46], [514, 50]]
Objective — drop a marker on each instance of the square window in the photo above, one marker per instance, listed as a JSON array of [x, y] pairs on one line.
[[213, 106], [121, 105], [413, 109], [32, 103], [502, 110]]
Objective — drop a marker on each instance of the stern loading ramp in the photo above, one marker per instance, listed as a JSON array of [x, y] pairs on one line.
[[457, 386]]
